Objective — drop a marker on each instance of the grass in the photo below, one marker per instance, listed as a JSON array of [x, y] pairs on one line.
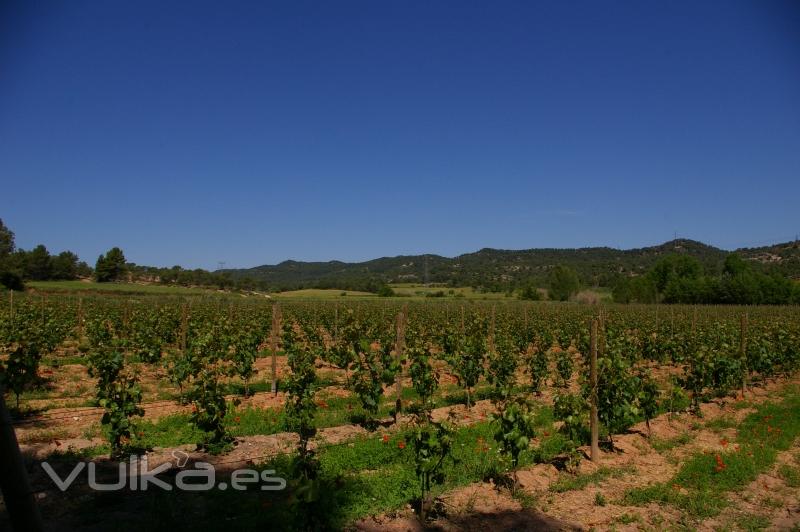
[[700, 486], [790, 475], [752, 523], [568, 482], [115, 288], [721, 423], [320, 293], [667, 444], [416, 290], [362, 477]]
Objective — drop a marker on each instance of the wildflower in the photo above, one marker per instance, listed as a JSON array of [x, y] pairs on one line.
[[385, 438], [237, 419], [723, 442], [401, 445]]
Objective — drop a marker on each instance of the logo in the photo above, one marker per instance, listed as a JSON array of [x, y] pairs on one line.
[[135, 475]]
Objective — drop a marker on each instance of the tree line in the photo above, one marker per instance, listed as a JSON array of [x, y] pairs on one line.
[[38, 264], [682, 279], [18, 265]]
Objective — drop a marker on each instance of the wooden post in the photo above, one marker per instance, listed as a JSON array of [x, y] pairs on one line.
[[602, 332], [184, 327], [274, 345], [80, 319], [491, 333], [336, 324], [671, 323], [593, 420], [743, 351], [657, 320], [17, 494], [399, 347]]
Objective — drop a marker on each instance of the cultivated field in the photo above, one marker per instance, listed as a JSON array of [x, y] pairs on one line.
[[472, 413]]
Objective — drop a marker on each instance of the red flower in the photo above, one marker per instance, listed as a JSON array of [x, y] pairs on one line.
[[401, 445], [385, 438], [723, 442]]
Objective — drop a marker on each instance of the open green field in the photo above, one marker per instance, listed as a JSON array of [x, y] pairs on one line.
[[422, 290], [115, 288], [320, 293], [403, 291]]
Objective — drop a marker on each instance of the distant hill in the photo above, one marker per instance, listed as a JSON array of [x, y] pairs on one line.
[[782, 258], [498, 268]]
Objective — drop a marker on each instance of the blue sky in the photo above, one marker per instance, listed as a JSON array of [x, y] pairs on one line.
[[253, 132]]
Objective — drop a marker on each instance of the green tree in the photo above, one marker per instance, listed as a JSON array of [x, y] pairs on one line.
[[6, 240], [10, 276], [110, 266], [65, 266], [530, 293], [385, 291], [635, 290], [675, 267], [564, 283], [735, 265], [39, 264]]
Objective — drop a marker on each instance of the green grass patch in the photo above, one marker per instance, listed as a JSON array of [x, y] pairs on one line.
[[721, 423], [752, 523], [115, 288], [569, 482], [667, 444], [790, 475], [699, 487]]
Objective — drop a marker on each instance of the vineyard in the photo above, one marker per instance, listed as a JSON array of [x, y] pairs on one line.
[[381, 414]]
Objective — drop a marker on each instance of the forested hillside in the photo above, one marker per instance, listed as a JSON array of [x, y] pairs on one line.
[[499, 269]]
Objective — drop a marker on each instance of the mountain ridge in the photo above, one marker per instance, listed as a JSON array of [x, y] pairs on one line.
[[496, 268]]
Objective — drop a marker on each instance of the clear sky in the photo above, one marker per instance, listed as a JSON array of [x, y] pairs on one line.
[[252, 132]]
